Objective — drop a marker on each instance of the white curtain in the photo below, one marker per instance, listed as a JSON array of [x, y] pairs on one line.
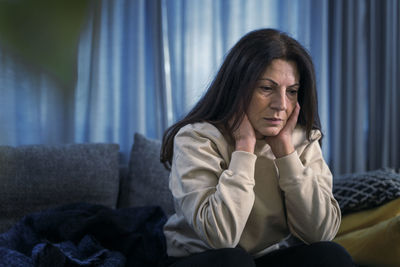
[[120, 87], [143, 64]]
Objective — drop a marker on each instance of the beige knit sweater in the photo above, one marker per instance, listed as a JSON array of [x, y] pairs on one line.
[[226, 198]]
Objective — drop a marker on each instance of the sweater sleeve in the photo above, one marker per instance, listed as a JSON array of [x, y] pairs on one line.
[[214, 198], [313, 214]]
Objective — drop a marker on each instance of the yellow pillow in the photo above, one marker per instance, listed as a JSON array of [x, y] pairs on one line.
[[378, 245], [367, 218]]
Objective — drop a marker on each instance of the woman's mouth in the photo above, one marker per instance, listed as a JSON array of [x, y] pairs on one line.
[[273, 121]]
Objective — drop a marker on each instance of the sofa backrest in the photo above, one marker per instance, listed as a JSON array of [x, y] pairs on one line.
[[37, 177]]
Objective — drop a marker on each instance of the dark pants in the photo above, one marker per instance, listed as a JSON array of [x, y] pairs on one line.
[[316, 254]]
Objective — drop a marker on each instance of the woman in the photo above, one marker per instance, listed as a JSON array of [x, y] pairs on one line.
[[250, 185]]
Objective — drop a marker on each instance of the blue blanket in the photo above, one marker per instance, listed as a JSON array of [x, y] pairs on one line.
[[86, 235]]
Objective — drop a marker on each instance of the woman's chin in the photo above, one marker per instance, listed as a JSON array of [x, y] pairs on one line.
[[270, 132]]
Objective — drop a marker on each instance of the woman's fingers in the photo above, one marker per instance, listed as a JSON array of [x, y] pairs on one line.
[[245, 136], [281, 144], [292, 121]]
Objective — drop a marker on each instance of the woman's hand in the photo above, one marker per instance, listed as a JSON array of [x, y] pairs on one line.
[[282, 144], [245, 136]]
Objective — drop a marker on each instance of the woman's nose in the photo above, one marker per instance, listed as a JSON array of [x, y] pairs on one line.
[[279, 102]]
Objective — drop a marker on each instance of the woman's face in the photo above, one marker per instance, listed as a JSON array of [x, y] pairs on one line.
[[274, 98]]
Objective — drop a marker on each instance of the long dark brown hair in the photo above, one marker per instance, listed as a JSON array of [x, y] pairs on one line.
[[229, 95]]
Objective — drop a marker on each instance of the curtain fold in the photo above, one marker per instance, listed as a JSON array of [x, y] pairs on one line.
[[120, 89], [348, 86], [384, 84], [364, 85], [32, 109]]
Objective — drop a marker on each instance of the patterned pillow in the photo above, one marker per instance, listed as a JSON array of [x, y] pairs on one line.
[[360, 191]]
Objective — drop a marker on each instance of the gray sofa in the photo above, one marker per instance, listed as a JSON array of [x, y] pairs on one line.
[[39, 177]]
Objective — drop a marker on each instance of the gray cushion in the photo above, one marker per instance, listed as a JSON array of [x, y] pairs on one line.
[[38, 177], [147, 181], [366, 190]]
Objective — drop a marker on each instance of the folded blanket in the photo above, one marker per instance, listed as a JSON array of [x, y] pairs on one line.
[[86, 235]]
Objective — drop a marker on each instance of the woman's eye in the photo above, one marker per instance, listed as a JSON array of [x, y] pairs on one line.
[[266, 88], [293, 92]]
